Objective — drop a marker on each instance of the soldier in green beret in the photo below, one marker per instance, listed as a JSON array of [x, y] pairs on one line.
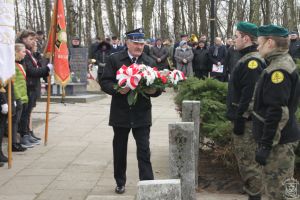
[[240, 91], [276, 100]]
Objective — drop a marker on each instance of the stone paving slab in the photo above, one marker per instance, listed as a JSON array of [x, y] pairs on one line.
[[99, 197]]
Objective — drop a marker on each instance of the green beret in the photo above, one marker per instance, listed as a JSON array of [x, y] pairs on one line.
[[272, 30], [247, 27]]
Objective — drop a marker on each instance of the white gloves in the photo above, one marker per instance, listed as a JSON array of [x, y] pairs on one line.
[[15, 103], [50, 66], [4, 109]]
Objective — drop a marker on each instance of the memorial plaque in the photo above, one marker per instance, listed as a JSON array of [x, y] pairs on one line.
[[78, 63]]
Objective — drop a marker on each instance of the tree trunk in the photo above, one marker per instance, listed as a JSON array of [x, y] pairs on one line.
[[254, 12], [182, 17], [265, 6], [48, 9], [240, 11], [163, 20], [203, 18], [98, 18], [80, 22], [292, 25], [40, 16], [35, 16], [195, 17], [72, 19], [111, 17], [129, 14], [147, 7], [88, 21], [176, 21], [17, 22], [231, 6]]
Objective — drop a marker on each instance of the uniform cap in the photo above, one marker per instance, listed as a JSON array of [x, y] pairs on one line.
[[248, 28], [136, 35], [272, 30]]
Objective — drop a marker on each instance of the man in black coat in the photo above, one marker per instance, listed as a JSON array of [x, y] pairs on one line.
[[124, 117]]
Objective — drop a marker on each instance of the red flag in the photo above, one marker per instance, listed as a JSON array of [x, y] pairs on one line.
[[57, 44]]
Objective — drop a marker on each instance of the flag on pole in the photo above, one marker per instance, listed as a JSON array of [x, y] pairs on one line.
[[7, 41], [57, 44]]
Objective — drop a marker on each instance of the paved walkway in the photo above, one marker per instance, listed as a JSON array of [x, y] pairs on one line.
[[77, 162]]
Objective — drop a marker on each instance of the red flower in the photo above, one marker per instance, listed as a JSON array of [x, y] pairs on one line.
[[164, 79]]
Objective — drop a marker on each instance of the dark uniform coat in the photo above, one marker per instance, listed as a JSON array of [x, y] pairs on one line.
[[276, 100], [242, 83], [121, 114]]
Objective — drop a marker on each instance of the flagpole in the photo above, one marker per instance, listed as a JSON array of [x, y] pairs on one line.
[[9, 146], [53, 29]]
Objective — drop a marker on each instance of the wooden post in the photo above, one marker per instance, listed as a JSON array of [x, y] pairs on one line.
[[47, 110], [9, 149], [53, 29]]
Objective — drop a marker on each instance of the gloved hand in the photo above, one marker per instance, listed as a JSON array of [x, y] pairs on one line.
[[15, 103], [239, 126], [4, 109], [50, 66], [262, 154]]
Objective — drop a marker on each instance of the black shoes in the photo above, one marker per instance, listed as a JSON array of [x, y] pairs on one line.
[[1, 164], [17, 147], [120, 189], [256, 197]]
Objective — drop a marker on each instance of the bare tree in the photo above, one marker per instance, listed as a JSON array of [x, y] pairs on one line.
[[254, 11], [98, 18], [17, 21], [230, 19], [147, 9], [47, 14], [72, 18], [265, 6], [111, 17], [129, 13], [163, 20], [203, 18], [176, 21]]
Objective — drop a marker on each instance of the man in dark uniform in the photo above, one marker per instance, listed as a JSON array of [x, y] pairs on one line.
[[276, 99], [294, 49], [115, 45], [240, 91], [124, 117]]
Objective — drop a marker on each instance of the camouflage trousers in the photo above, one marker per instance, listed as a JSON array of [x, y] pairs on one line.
[[279, 168], [250, 170]]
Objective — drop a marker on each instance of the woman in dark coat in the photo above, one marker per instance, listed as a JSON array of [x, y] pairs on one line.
[[200, 62]]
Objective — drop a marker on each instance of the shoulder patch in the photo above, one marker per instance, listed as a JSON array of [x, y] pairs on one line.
[[252, 64], [277, 77]]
